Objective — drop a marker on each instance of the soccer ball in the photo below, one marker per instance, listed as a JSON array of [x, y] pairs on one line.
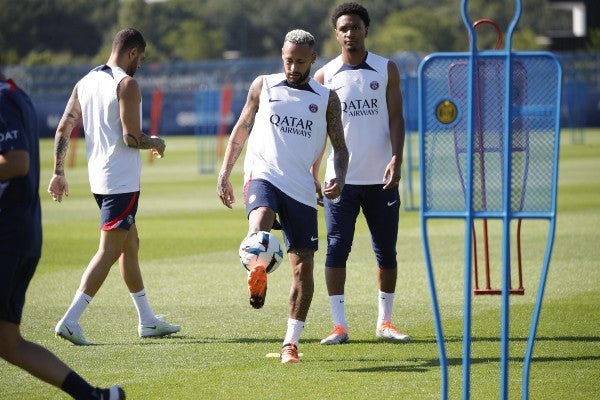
[[261, 248]]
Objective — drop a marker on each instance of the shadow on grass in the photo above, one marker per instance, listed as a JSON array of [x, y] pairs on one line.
[[187, 339], [192, 339], [424, 365], [537, 339], [458, 339], [152, 341]]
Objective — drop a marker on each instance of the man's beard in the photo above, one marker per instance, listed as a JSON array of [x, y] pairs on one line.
[[352, 49], [131, 71], [301, 80]]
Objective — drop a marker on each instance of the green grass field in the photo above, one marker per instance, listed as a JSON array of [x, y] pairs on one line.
[[188, 253]]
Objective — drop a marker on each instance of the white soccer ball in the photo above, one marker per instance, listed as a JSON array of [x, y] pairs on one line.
[[261, 248]]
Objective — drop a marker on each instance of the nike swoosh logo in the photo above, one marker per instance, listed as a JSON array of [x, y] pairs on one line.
[[391, 203], [312, 238], [150, 327], [337, 88], [70, 331], [273, 100]]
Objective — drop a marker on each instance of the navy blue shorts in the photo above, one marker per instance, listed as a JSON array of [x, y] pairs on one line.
[[15, 274], [297, 220], [381, 209], [117, 210]]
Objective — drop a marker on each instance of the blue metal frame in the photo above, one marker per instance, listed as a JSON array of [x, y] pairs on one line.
[[505, 215]]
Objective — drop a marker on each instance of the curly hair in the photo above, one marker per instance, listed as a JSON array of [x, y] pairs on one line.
[[298, 36], [350, 9]]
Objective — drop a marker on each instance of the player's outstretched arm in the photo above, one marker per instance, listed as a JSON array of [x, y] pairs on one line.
[[58, 185], [335, 131], [237, 139]]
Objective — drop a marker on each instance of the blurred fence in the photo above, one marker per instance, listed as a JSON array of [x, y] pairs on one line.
[[182, 85]]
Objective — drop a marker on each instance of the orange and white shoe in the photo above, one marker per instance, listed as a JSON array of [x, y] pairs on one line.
[[289, 354], [388, 331], [257, 286], [339, 335]]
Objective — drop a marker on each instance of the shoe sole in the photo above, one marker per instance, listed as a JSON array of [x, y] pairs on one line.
[[333, 342], [257, 286], [406, 339], [62, 336], [158, 335]]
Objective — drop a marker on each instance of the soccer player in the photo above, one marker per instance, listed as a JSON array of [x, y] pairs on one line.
[[368, 86], [286, 120], [108, 100], [21, 244]]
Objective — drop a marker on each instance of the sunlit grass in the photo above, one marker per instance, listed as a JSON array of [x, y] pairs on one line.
[[189, 258]]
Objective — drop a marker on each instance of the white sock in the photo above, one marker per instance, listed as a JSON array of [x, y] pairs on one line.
[[145, 313], [338, 310], [77, 307], [294, 329], [386, 304]]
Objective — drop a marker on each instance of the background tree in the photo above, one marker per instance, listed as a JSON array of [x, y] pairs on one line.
[[33, 27], [594, 40], [41, 32], [192, 41], [403, 30]]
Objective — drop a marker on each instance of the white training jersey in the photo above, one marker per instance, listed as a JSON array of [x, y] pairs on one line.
[[362, 92], [288, 135], [113, 167]]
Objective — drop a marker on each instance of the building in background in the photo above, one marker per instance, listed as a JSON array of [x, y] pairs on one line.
[[572, 22]]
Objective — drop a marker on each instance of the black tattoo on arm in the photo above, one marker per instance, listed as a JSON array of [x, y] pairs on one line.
[[249, 124], [236, 150], [60, 153], [142, 142], [131, 141], [335, 131], [70, 120], [251, 109]]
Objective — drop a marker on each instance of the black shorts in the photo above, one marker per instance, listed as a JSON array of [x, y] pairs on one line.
[[15, 274], [381, 209], [298, 221]]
